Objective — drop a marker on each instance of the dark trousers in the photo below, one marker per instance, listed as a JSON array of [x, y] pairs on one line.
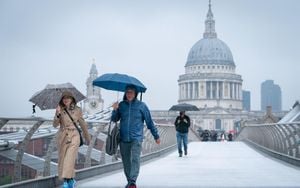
[[131, 154]]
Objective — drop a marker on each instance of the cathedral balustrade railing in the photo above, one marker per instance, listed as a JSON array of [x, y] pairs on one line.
[[281, 140], [209, 76], [25, 141]]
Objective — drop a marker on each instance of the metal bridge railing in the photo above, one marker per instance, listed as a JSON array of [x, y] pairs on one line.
[[281, 140], [22, 142]]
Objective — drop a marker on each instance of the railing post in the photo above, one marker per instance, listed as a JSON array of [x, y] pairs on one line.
[[18, 163], [87, 162], [3, 122], [52, 146]]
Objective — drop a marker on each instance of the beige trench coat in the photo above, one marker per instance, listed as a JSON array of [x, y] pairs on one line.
[[68, 141]]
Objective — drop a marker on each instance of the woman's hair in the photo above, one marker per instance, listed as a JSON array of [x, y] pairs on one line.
[[65, 95]]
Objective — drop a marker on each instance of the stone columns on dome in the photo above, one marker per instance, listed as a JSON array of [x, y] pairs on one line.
[[217, 90], [211, 90], [187, 90], [184, 91], [234, 91]]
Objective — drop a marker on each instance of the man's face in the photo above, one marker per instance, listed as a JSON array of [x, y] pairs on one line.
[[130, 94]]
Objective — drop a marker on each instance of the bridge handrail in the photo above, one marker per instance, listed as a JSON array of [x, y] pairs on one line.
[[280, 138], [167, 133], [53, 181]]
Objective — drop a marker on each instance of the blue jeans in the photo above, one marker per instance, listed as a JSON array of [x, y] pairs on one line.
[[131, 154], [182, 137]]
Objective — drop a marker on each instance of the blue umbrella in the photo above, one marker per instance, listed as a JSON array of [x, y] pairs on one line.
[[118, 82]]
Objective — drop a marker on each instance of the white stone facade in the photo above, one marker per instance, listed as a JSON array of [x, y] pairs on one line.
[[93, 102], [211, 83]]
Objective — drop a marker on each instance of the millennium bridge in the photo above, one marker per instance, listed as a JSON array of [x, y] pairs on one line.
[[261, 155]]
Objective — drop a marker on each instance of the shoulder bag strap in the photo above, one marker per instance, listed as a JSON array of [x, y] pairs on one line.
[[72, 120]]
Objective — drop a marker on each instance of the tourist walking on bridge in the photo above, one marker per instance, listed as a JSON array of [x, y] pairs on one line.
[[132, 113], [182, 124], [68, 138]]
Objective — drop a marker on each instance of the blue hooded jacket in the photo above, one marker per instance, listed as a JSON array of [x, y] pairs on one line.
[[132, 116]]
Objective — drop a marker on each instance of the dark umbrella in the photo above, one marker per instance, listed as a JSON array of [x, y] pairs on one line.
[[49, 97], [118, 82], [184, 107]]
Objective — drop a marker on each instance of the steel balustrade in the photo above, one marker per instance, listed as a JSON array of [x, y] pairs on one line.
[[279, 138], [166, 132]]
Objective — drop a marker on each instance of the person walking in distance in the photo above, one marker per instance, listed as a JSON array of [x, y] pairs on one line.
[[182, 124], [132, 114], [68, 138]]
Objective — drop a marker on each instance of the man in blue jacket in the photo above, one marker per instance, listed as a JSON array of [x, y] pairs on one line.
[[132, 114]]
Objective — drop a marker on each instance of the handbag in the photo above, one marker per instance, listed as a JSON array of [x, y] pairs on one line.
[[79, 131], [112, 139]]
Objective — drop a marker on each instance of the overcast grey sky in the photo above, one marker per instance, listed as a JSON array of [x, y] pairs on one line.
[[52, 41]]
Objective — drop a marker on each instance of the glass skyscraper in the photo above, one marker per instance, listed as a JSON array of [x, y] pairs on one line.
[[270, 96], [246, 100]]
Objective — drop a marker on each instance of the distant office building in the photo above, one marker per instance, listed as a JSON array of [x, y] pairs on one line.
[[270, 96], [246, 100]]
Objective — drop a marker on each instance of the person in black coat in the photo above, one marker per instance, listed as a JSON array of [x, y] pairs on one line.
[[182, 124], [230, 137]]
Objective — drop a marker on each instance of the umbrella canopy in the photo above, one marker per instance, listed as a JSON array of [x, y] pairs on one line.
[[118, 82], [49, 97], [184, 107]]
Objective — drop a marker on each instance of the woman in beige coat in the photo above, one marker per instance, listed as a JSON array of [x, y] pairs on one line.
[[68, 138]]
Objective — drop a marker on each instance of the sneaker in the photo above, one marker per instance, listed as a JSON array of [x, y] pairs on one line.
[[72, 183], [180, 154], [185, 152], [65, 184]]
